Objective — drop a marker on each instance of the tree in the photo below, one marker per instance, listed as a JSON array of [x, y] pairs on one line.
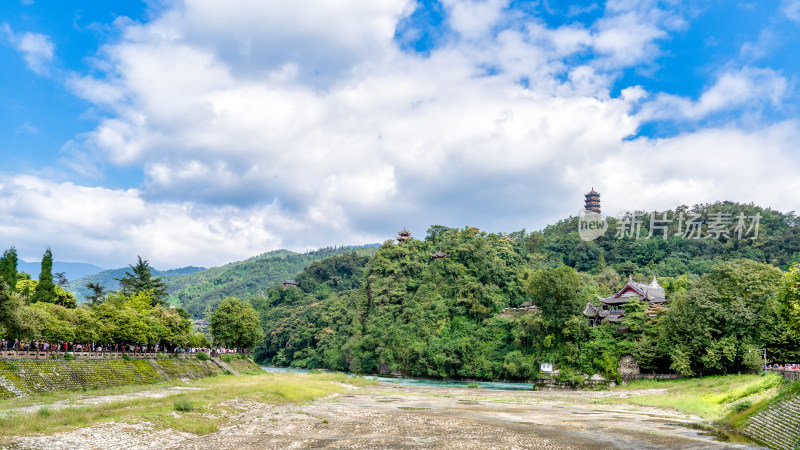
[[557, 292], [789, 298], [142, 280], [234, 324], [8, 268], [9, 304], [98, 293], [61, 279], [46, 289]]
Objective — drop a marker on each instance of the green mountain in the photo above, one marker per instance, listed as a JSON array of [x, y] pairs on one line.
[[108, 278], [401, 309], [247, 279]]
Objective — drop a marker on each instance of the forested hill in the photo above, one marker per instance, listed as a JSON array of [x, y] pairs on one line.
[[778, 241], [108, 279], [246, 279], [401, 309]]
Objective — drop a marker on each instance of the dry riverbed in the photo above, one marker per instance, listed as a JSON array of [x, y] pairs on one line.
[[393, 416]]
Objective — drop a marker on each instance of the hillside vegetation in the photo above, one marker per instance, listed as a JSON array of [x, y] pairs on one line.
[[109, 279], [200, 292], [401, 310]]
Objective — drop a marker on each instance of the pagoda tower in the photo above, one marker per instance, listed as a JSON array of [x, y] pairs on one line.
[[592, 201], [404, 235]]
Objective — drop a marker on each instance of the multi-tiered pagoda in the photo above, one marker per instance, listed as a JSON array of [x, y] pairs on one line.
[[592, 201], [404, 235]]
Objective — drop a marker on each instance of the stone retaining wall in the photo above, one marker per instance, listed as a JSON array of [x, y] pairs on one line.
[[26, 377], [53, 354], [778, 426]]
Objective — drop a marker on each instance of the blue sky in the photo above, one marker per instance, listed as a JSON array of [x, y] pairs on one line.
[[196, 133]]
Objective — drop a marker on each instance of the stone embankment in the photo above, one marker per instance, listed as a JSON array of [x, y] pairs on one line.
[[19, 378], [778, 426]]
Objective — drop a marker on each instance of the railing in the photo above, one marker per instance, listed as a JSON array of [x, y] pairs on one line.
[[53, 354], [789, 374], [658, 376]]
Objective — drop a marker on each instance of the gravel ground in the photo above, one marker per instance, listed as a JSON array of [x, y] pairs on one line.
[[392, 416]]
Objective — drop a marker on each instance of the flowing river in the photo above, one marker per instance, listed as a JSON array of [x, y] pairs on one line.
[[503, 386]]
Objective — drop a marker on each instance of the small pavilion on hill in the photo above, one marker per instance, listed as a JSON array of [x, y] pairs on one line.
[[403, 236], [610, 308]]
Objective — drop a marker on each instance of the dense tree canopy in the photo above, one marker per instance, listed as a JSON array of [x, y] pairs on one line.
[[140, 279], [403, 310], [234, 324]]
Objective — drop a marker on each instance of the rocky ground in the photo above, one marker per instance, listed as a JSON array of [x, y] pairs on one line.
[[393, 416]]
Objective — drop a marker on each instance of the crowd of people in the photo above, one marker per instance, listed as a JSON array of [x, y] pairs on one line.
[[77, 347], [783, 367]]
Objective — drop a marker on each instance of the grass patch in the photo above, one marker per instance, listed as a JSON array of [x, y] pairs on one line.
[[183, 404], [199, 411], [712, 398], [474, 386]]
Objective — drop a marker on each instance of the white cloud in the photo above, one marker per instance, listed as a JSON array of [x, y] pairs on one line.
[[37, 49], [275, 124], [112, 225], [750, 88], [791, 8]]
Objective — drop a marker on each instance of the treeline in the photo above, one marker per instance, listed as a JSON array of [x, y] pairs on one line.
[[201, 292], [137, 313], [402, 310]]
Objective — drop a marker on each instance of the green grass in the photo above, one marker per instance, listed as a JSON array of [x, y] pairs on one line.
[[198, 411], [717, 398]]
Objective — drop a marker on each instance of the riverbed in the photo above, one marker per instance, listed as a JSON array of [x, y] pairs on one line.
[[391, 415]]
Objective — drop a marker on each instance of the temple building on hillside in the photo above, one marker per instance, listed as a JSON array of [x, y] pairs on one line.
[[610, 308], [439, 255], [404, 235], [290, 283], [592, 202]]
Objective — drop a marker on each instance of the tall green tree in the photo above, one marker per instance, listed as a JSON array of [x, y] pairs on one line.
[[141, 279], [8, 268], [789, 298], [45, 289], [558, 293], [98, 293], [234, 324], [9, 304]]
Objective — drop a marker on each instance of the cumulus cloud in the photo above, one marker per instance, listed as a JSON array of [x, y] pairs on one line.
[[271, 124], [751, 88], [113, 225], [37, 49]]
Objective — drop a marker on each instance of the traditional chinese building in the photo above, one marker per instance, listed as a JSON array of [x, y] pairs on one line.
[[290, 283], [404, 235], [610, 308], [439, 255], [592, 202]]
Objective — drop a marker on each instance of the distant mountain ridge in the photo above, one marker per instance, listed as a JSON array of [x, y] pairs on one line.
[[72, 270], [246, 279], [108, 278], [197, 288]]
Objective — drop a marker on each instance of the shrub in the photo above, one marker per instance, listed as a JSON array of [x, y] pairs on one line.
[[126, 357], [474, 385], [741, 405], [202, 356], [183, 404], [68, 356], [45, 411], [228, 357]]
